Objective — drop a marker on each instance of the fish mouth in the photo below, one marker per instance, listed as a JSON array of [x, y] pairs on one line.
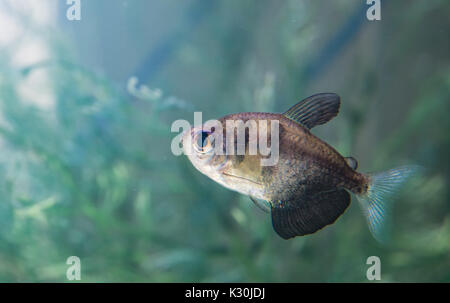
[[241, 178], [186, 140]]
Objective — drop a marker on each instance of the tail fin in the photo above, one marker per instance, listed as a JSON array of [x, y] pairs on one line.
[[377, 201]]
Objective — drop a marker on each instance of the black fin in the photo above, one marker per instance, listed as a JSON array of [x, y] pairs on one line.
[[265, 208], [315, 110], [352, 162], [309, 214]]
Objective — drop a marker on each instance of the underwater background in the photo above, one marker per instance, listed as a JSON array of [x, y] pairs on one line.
[[86, 108]]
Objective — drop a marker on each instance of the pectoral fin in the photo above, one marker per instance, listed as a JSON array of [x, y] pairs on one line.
[[263, 205], [315, 110], [306, 215]]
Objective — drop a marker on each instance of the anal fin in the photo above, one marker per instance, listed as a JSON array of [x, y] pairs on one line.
[[307, 214]]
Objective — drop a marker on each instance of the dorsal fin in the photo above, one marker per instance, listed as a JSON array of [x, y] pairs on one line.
[[315, 110]]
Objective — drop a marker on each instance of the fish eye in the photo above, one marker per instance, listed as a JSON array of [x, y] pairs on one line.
[[203, 142]]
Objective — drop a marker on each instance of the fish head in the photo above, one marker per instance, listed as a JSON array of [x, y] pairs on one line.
[[204, 148]]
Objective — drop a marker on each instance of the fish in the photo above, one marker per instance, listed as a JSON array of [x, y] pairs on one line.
[[310, 185]]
